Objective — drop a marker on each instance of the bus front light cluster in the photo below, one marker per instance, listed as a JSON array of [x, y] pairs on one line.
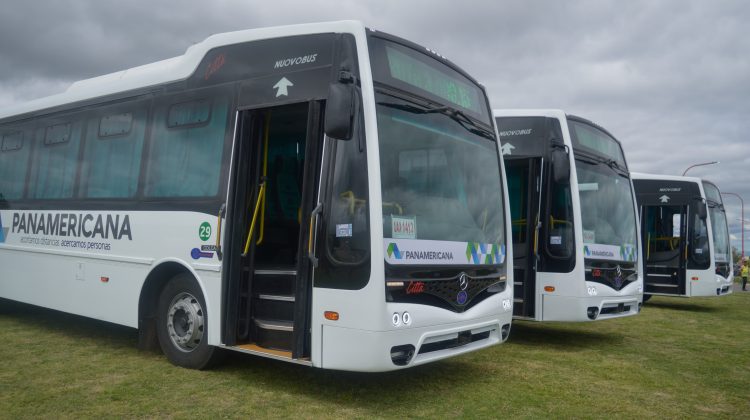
[[507, 304], [401, 319], [592, 290]]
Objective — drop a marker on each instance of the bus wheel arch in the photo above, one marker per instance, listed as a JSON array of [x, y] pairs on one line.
[[182, 323], [148, 300]]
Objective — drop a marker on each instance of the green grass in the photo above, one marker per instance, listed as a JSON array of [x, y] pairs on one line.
[[678, 358]]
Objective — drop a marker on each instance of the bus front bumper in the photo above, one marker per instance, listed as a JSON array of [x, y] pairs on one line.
[[377, 351], [573, 308]]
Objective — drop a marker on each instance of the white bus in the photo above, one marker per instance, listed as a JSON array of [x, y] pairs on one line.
[[322, 194], [575, 235], [685, 236]]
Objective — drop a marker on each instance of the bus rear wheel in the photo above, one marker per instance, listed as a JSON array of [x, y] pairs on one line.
[[182, 325]]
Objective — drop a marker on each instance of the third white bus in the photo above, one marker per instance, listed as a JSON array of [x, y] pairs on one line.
[[685, 236]]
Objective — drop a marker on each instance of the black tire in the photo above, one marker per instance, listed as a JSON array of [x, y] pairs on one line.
[[646, 298], [182, 324]]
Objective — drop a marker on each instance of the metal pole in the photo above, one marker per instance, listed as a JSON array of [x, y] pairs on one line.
[[698, 164]]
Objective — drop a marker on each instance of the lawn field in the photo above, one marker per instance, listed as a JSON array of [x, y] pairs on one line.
[[678, 358]]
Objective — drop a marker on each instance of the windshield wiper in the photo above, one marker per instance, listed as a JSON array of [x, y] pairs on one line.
[[456, 115]]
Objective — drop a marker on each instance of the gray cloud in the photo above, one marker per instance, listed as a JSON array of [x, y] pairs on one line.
[[669, 78]]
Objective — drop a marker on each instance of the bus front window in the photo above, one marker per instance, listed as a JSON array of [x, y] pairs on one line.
[[440, 180], [607, 206]]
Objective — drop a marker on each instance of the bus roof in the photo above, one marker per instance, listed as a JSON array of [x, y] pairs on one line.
[[172, 69], [660, 177]]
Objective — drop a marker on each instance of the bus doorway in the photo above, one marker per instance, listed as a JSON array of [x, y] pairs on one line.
[[665, 230], [524, 192], [269, 275]]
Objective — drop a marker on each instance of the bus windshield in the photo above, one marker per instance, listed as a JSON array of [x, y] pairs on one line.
[[441, 186], [607, 207], [718, 223]]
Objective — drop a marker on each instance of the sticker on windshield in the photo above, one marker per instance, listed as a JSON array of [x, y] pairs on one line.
[[344, 230], [589, 236], [609, 252], [412, 251], [404, 227], [555, 240]]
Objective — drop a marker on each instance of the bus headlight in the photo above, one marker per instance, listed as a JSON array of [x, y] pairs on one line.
[[406, 318], [507, 304], [396, 319], [592, 290]]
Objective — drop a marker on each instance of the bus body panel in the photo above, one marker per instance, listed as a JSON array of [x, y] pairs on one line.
[[62, 268]]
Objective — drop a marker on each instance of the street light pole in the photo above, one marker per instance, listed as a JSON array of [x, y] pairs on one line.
[[699, 164], [742, 204]]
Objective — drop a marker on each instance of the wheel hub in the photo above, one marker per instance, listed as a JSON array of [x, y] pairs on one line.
[[185, 322]]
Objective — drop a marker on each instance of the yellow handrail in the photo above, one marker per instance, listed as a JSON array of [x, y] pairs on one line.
[[264, 174], [261, 194]]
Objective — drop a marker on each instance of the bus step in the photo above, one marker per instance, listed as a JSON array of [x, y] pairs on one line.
[[279, 307], [274, 284], [275, 272], [274, 324], [273, 334]]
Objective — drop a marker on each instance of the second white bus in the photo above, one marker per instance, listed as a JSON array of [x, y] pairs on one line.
[[575, 235]]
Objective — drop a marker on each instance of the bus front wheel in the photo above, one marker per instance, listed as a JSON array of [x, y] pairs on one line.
[[646, 298], [182, 324]]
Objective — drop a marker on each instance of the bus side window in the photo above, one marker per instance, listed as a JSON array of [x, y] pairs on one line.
[[699, 251], [112, 155], [560, 238], [15, 149], [347, 236], [55, 163], [186, 147]]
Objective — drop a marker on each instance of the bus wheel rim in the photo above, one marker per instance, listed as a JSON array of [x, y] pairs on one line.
[[185, 322]]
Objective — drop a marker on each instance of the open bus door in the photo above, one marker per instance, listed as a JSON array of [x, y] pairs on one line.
[[269, 283], [524, 189], [665, 248]]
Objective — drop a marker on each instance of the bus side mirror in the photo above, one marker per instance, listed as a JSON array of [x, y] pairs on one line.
[[340, 107], [702, 212], [560, 167]]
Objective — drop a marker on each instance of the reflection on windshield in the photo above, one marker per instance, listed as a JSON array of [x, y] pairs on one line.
[[440, 181], [607, 209]]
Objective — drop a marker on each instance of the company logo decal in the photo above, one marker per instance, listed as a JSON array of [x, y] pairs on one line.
[[462, 297], [73, 224], [415, 287], [84, 231], [198, 254], [393, 252], [463, 281], [419, 251], [618, 276], [477, 253], [610, 252]]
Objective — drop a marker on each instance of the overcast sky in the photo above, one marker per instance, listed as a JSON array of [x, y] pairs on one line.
[[670, 79]]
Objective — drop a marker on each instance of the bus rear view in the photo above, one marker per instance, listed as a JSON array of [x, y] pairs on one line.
[[575, 237]]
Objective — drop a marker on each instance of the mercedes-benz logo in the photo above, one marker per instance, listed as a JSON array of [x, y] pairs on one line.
[[463, 281]]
